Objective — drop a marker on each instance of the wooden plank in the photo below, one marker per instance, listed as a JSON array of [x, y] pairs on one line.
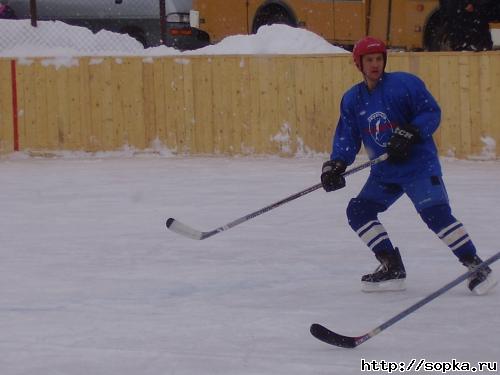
[[221, 104], [286, 110], [28, 130], [430, 73], [398, 62], [313, 69], [148, 102], [486, 103], [474, 98], [350, 74], [53, 117], [301, 94], [41, 133], [128, 82], [203, 105], [96, 70], [450, 128], [21, 106], [218, 104], [494, 62], [74, 137], [63, 108], [268, 104], [255, 103], [325, 102], [161, 114], [239, 108], [118, 137], [137, 106], [328, 104], [338, 92], [109, 122], [132, 103], [178, 105], [174, 99], [6, 114], [464, 108], [188, 107], [242, 104], [315, 78], [85, 106]]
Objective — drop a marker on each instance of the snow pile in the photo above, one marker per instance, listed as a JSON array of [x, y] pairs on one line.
[[273, 39], [54, 38]]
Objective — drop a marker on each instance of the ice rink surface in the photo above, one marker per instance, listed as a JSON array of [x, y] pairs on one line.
[[92, 282]]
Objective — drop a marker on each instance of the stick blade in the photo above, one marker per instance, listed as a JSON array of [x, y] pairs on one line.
[[324, 334], [184, 230]]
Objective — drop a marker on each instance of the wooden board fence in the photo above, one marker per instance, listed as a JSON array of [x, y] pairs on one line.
[[243, 105]]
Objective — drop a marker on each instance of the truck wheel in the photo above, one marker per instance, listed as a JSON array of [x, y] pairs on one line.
[[137, 34], [439, 37], [271, 15], [436, 37]]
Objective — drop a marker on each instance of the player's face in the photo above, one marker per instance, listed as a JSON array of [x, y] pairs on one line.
[[373, 67]]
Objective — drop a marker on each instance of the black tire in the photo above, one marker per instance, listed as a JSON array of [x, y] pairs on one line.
[[437, 36], [137, 34], [273, 14]]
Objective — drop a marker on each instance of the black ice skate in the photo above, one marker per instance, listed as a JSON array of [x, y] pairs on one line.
[[481, 282], [389, 276]]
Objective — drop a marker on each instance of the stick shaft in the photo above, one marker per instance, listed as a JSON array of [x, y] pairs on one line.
[[187, 231]]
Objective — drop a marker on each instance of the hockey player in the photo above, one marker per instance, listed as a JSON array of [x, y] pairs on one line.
[[394, 113]]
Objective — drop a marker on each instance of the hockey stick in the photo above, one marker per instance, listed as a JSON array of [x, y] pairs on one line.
[[187, 231], [324, 334]]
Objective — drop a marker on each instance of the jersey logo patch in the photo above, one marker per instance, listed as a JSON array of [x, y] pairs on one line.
[[380, 128]]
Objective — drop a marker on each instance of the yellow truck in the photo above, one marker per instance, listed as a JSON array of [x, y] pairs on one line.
[[406, 24]]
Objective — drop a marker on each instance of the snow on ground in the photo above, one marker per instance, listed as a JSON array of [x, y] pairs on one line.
[[19, 39], [91, 281]]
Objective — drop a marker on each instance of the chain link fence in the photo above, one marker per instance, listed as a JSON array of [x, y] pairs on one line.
[[149, 23]]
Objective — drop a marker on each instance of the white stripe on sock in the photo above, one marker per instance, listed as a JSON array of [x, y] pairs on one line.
[[371, 233], [366, 226], [454, 236], [466, 239], [444, 230], [386, 237]]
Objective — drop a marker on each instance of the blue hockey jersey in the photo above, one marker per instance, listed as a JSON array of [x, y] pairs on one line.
[[370, 117]]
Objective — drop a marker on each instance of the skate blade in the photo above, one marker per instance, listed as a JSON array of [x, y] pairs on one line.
[[484, 287], [384, 286]]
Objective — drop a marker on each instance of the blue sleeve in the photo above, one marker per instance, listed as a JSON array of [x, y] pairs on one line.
[[347, 140], [425, 110]]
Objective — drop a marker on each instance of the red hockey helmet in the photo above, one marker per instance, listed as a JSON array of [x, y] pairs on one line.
[[366, 46]]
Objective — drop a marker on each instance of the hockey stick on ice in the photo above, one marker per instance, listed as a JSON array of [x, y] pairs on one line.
[[187, 231], [324, 334]]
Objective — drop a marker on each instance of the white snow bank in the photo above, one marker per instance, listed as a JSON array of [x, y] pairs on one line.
[[54, 38], [273, 39]]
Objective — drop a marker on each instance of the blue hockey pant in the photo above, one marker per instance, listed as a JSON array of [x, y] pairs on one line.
[[430, 199]]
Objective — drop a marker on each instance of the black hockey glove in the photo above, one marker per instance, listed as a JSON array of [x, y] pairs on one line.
[[331, 174], [399, 145]]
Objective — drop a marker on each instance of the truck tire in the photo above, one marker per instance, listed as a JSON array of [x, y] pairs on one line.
[[439, 37], [137, 34], [436, 36], [273, 14]]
